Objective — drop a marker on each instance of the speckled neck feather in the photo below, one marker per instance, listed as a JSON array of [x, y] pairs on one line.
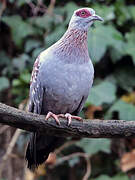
[[73, 46]]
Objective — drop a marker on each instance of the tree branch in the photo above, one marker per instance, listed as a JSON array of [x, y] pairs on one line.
[[89, 128]]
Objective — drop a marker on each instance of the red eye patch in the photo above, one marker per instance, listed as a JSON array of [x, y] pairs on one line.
[[84, 13]]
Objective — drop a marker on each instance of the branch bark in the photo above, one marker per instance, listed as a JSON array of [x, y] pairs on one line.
[[89, 128]]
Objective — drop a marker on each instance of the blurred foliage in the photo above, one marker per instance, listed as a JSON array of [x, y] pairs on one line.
[[25, 31], [93, 146]]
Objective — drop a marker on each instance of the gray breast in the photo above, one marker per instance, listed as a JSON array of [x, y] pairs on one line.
[[65, 85]]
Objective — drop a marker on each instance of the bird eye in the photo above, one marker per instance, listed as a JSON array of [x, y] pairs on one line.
[[83, 13]]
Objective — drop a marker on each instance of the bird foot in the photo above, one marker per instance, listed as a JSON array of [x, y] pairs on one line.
[[68, 116], [56, 117]]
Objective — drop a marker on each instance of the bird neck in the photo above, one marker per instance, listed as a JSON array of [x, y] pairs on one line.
[[75, 37], [73, 46]]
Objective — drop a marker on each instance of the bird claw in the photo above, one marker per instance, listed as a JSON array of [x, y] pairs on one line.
[[50, 114], [68, 116]]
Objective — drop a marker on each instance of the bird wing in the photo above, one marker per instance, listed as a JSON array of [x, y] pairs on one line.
[[36, 90], [35, 70]]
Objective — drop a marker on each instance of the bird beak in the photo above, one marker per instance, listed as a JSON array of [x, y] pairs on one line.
[[96, 17]]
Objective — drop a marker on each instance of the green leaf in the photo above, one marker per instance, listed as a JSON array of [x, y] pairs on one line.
[[102, 37], [19, 28], [132, 12], [31, 44], [120, 177], [97, 43], [36, 52], [126, 111], [92, 146], [122, 12], [54, 36], [106, 12], [117, 177], [69, 9], [44, 22], [25, 77], [102, 93], [4, 59], [130, 45], [20, 62], [116, 54], [16, 82], [4, 83]]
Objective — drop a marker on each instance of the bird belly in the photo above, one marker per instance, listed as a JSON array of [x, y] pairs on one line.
[[65, 88]]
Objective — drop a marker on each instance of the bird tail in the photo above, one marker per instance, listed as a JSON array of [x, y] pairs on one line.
[[39, 148]]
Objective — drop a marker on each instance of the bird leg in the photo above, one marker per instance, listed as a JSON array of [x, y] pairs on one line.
[[67, 115]]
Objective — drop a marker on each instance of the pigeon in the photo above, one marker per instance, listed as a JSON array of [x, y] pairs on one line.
[[61, 80]]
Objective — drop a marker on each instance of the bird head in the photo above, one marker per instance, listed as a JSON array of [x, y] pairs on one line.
[[83, 18]]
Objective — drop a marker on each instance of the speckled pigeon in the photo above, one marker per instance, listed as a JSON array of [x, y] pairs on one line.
[[61, 80]]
